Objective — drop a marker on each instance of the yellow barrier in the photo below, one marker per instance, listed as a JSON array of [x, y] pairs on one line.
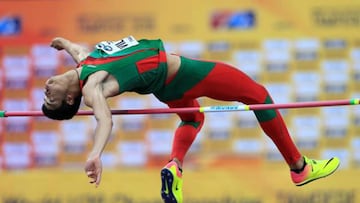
[[217, 185]]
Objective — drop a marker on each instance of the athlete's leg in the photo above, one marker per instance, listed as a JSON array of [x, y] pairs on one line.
[[227, 83], [224, 82], [186, 132]]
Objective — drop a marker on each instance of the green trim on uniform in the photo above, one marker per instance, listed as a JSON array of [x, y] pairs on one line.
[[194, 124], [265, 115], [190, 73]]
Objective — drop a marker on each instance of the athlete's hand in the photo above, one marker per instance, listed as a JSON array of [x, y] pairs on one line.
[[59, 43], [93, 169]]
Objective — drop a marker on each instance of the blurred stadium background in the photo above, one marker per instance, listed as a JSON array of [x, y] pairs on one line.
[[301, 50]]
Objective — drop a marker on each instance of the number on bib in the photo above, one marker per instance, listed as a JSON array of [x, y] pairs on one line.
[[111, 47]]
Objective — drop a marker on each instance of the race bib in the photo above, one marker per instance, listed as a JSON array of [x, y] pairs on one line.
[[111, 47]]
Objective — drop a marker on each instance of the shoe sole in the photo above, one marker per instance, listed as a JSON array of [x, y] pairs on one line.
[[309, 181], [167, 179]]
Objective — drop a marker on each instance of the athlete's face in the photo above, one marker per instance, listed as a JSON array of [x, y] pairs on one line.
[[54, 94]]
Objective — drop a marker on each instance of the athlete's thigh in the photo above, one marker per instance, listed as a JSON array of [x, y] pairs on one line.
[[228, 83], [183, 103]]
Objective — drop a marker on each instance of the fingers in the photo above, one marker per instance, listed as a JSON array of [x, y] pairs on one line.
[[57, 46], [93, 170], [92, 176], [98, 180], [57, 43], [95, 178]]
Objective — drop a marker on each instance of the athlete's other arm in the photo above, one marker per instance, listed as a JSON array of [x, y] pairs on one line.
[[94, 98], [76, 51]]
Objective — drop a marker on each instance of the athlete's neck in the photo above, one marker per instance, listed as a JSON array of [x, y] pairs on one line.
[[73, 81]]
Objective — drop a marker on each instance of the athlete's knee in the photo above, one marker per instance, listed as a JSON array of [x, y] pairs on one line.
[[268, 114], [197, 120], [200, 118], [262, 94]]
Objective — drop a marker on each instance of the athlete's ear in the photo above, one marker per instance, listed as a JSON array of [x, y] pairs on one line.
[[69, 99]]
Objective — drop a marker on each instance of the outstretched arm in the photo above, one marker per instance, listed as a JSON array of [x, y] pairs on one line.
[[77, 52], [94, 98]]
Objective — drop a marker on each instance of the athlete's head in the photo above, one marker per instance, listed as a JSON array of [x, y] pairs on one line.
[[64, 112], [59, 103]]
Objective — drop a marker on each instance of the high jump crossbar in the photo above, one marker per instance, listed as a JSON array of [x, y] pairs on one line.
[[251, 107]]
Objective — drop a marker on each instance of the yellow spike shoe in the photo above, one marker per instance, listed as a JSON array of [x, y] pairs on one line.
[[314, 170], [171, 183]]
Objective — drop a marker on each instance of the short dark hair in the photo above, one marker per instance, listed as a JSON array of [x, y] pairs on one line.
[[64, 112]]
